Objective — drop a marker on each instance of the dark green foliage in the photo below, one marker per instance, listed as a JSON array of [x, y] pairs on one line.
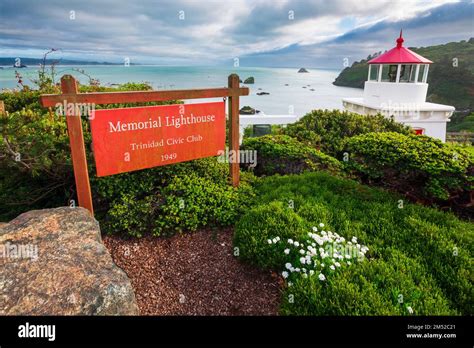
[[274, 219], [460, 122], [419, 252], [327, 129], [171, 199], [282, 154], [418, 165]]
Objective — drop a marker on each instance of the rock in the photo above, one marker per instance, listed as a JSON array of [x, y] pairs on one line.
[[249, 80], [247, 110], [303, 70], [263, 93], [61, 267]]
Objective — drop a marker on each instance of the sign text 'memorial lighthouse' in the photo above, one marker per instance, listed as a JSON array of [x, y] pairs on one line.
[[396, 87]]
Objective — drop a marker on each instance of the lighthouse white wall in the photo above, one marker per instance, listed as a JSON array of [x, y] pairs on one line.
[[388, 93], [432, 129]]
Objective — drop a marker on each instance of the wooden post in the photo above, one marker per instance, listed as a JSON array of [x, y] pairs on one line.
[[2, 107], [76, 141], [234, 166]]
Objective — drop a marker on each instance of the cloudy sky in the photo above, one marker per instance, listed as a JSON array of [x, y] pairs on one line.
[[291, 33]]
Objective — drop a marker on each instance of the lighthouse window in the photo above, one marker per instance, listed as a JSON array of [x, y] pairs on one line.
[[385, 73], [392, 73], [421, 73], [374, 72]]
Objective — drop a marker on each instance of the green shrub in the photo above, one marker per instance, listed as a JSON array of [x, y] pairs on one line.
[[174, 198], [327, 129], [274, 219], [192, 201], [375, 287], [420, 166], [419, 252], [281, 154]]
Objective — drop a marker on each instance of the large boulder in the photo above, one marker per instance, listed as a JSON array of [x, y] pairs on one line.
[[53, 262]]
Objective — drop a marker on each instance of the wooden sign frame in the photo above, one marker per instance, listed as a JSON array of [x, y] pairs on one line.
[[70, 95]]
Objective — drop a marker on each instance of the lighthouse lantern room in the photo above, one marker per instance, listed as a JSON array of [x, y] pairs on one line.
[[396, 87]]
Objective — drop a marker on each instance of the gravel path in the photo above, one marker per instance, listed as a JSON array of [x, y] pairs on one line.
[[194, 274]]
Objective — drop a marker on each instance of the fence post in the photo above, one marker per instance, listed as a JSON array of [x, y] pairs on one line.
[[76, 141], [234, 166]]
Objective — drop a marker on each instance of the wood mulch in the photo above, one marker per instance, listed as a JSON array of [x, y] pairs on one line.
[[194, 274]]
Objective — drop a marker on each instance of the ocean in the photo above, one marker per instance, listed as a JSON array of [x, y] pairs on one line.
[[290, 92]]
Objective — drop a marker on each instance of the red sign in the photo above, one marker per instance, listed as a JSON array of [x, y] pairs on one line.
[[130, 139]]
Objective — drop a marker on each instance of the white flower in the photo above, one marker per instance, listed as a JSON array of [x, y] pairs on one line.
[[274, 240], [269, 241], [278, 239], [296, 244], [304, 270], [354, 239], [290, 284], [322, 265], [302, 251], [349, 263], [321, 276], [288, 265], [305, 275], [332, 267], [315, 229], [410, 310], [302, 260], [311, 272], [297, 269], [290, 241], [321, 225], [348, 256], [286, 251], [284, 274], [337, 264]]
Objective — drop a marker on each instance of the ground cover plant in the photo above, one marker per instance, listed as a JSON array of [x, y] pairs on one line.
[[418, 260]]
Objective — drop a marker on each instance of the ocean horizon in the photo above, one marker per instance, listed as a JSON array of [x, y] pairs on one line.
[[290, 92]]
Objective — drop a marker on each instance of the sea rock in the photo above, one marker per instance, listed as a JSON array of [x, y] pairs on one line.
[[53, 262], [247, 110], [249, 80], [303, 70]]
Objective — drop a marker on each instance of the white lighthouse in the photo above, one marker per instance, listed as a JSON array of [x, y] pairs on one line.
[[396, 86]]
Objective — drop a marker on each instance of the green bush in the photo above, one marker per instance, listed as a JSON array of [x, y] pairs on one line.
[[419, 166], [375, 287], [269, 220], [282, 154], [419, 252], [327, 130]]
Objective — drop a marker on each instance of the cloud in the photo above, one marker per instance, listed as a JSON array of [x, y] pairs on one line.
[[259, 32]]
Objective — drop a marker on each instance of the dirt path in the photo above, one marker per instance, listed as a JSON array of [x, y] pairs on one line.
[[194, 274]]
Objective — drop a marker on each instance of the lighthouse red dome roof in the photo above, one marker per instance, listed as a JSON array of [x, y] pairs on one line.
[[400, 55]]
